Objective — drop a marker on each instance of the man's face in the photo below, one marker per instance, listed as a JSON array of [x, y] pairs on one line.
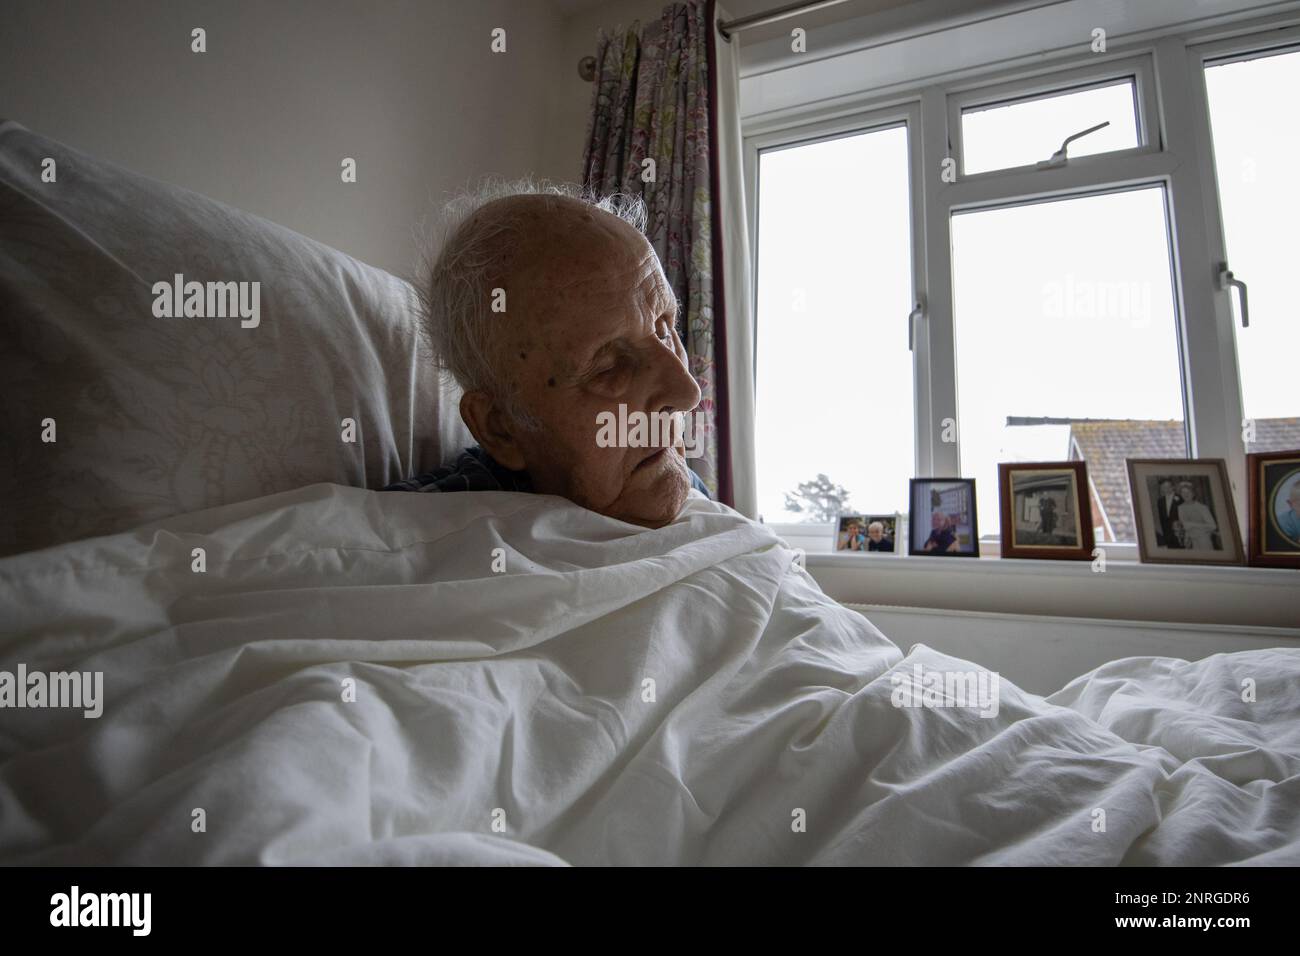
[[1166, 489], [875, 532], [938, 521], [589, 325]]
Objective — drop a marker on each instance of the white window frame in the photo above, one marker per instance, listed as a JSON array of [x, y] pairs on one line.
[[905, 114], [1280, 36], [1175, 152], [1057, 81]]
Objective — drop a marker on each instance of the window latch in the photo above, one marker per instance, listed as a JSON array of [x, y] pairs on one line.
[[1061, 156], [917, 313], [1227, 281]]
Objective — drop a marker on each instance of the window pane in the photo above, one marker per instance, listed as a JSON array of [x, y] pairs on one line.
[[834, 374], [1256, 142], [1025, 132], [1066, 344]]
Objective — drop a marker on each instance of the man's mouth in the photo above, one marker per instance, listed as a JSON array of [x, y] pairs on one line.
[[653, 458]]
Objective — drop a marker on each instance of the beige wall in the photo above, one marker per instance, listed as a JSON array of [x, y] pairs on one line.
[[409, 88]]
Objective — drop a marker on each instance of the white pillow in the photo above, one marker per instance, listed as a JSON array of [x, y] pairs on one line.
[[155, 416]]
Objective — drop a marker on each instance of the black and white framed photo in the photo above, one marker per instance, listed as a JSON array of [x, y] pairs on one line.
[[869, 534], [1183, 511], [942, 518], [1274, 508], [1045, 510]]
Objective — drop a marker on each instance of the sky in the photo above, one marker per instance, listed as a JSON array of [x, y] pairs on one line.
[[1061, 309]]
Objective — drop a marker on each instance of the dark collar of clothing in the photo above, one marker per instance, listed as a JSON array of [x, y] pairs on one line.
[[476, 470]]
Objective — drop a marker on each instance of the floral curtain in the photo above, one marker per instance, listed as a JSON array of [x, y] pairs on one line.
[[652, 100]]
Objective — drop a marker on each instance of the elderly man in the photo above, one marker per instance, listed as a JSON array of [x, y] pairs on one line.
[[876, 540], [1289, 521], [551, 309], [943, 536]]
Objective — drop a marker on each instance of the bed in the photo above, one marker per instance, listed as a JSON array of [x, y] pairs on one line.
[[298, 670]]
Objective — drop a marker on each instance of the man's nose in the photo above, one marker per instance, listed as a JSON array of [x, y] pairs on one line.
[[675, 388]]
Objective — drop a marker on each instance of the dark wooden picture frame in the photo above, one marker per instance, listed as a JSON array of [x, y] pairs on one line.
[[1146, 535], [1264, 530], [913, 527], [1014, 548]]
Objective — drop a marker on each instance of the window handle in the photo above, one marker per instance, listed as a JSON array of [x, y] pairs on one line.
[[1062, 155], [917, 313], [1226, 282]]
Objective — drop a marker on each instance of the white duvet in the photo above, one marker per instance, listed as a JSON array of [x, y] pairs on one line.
[[354, 679]]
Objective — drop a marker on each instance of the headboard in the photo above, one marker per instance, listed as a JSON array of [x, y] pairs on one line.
[[119, 411]]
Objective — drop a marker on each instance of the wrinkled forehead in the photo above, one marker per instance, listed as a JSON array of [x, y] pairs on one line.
[[584, 255], [578, 276]]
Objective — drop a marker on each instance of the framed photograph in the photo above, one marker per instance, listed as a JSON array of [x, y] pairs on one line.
[[869, 533], [1183, 511], [1045, 510], [941, 518], [1274, 508]]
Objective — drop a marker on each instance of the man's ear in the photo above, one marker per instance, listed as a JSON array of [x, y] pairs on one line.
[[492, 429]]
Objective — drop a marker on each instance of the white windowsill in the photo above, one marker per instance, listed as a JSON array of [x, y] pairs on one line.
[[1025, 567], [1213, 595]]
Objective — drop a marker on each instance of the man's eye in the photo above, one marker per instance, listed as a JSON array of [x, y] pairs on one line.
[[666, 334]]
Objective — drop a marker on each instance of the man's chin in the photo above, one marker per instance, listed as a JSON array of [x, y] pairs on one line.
[[657, 505]]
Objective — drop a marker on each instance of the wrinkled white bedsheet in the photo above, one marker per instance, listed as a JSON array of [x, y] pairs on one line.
[[615, 696]]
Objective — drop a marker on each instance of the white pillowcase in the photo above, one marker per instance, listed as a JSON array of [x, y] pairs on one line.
[[159, 416]]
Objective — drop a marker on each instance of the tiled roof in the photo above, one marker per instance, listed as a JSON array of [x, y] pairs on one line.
[[1275, 434], [1104, 445]]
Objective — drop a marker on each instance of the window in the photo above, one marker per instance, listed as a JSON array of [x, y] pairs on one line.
[[1255, 146], [1070, 304], [1067, 345], [833, 372], [1028, 131]]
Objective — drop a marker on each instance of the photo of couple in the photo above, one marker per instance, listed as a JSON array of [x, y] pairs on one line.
[[1184, 514], [1184, 511]]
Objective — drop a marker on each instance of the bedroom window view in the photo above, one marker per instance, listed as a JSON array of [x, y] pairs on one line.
[[1255, 149], [1067, 344], [834, 402], [1029, 131]]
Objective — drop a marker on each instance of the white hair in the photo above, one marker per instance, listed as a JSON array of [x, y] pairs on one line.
[[461, 258]]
